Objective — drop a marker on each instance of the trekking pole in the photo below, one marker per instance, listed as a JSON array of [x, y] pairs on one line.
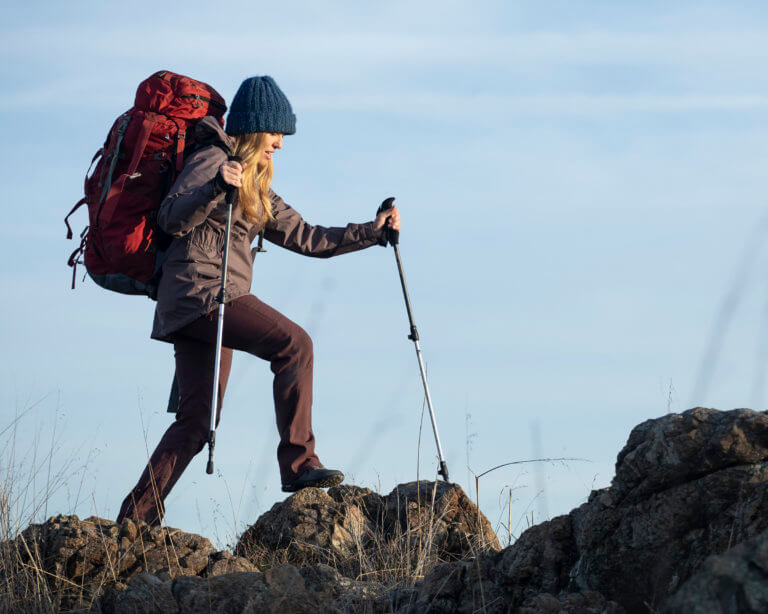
[[393, 236], [221, 300]]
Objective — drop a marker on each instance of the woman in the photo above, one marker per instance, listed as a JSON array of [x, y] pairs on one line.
[[194, 214]]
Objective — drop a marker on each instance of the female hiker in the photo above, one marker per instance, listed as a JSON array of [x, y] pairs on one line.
[[194, 214]]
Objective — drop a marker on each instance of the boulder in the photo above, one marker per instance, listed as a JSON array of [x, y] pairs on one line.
[[360, 533], [308, 527], [79, 560], [687, 486], [681, 448], [439, 513]]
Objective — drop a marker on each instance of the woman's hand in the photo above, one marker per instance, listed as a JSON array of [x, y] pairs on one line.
[[232, 173], [393, 215]]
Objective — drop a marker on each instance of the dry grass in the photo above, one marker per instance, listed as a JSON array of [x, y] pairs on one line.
[[388, 548], [32, 581], [372, 559], [23, 583], [374, 551]]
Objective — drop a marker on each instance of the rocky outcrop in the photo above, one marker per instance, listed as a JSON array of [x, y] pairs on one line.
[[683, 527], [137, 568], [687, 486], [76, 560], [359, 532]]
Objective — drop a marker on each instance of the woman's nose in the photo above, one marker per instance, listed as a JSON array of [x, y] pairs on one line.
[[278, 144]]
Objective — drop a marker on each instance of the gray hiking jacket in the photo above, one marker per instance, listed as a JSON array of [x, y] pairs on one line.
[[194, 214]]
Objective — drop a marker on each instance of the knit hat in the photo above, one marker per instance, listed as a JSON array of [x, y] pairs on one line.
[[260, 106]]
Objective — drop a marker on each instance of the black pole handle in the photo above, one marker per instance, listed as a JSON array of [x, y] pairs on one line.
[[393, 236], [211, 444]]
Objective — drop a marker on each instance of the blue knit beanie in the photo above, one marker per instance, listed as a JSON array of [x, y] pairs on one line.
[[260, 106]]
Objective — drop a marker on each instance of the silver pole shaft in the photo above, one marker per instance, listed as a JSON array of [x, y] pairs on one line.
[[221, 300], [414, 336], [429, 402], [217, 368]]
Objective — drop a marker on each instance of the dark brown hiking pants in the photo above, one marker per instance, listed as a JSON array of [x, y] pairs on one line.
[[256, 328]]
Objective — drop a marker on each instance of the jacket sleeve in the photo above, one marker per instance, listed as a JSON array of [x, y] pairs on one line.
[[289, 230], [193, 195]]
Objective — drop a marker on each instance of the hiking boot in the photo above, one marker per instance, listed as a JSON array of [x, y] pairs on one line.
[[317, 476]]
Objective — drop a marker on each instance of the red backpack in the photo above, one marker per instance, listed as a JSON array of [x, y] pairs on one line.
[[139, 161]]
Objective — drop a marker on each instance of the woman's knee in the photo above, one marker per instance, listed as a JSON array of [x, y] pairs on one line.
[[192, 427], [301, 345]]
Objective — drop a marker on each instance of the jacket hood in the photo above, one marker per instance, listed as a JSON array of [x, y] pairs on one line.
[[208, 131]]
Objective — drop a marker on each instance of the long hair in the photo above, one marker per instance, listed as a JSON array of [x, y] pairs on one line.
[[253, 197]]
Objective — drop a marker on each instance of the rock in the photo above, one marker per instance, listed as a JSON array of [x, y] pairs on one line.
[[440, 513], [735, 582], [589, 602], [308, 527], [108, 596], [359, 532], [539, 562], [224, 562], [80, 558], [238, 592], [128, 530], [638, 540], [146, 594], [681, 448], [279, 590], [687, 486]]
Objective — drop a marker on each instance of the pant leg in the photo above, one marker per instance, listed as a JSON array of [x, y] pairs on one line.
[[262, 331], [253, 326], [187, 435]]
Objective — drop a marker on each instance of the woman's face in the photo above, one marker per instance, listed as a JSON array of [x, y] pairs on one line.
[[271, 143]]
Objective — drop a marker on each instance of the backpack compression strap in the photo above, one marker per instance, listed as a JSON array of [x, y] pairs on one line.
[[110, 202]]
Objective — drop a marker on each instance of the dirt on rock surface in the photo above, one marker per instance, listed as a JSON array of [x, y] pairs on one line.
[[683, 527]]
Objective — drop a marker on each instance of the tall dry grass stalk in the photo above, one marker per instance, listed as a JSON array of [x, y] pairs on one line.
[[28, 480], [33, 477]]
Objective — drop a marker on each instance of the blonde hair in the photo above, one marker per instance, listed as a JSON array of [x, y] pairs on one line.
[[253, 197]]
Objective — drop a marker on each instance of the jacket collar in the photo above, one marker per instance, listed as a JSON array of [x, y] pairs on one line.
[[208, 131]]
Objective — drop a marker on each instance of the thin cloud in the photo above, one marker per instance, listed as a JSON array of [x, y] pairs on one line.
[[366, 48], [443, 105], [446, 105]]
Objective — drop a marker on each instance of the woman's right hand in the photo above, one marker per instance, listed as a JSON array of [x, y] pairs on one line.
[[232, 173]]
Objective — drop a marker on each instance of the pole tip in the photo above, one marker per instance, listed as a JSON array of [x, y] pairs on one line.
[[444, 471], [209, 467]]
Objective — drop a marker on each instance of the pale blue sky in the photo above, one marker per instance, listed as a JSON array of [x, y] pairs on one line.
[[578, 183]]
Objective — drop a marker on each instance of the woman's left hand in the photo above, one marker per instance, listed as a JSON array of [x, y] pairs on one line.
[[393, 215]]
